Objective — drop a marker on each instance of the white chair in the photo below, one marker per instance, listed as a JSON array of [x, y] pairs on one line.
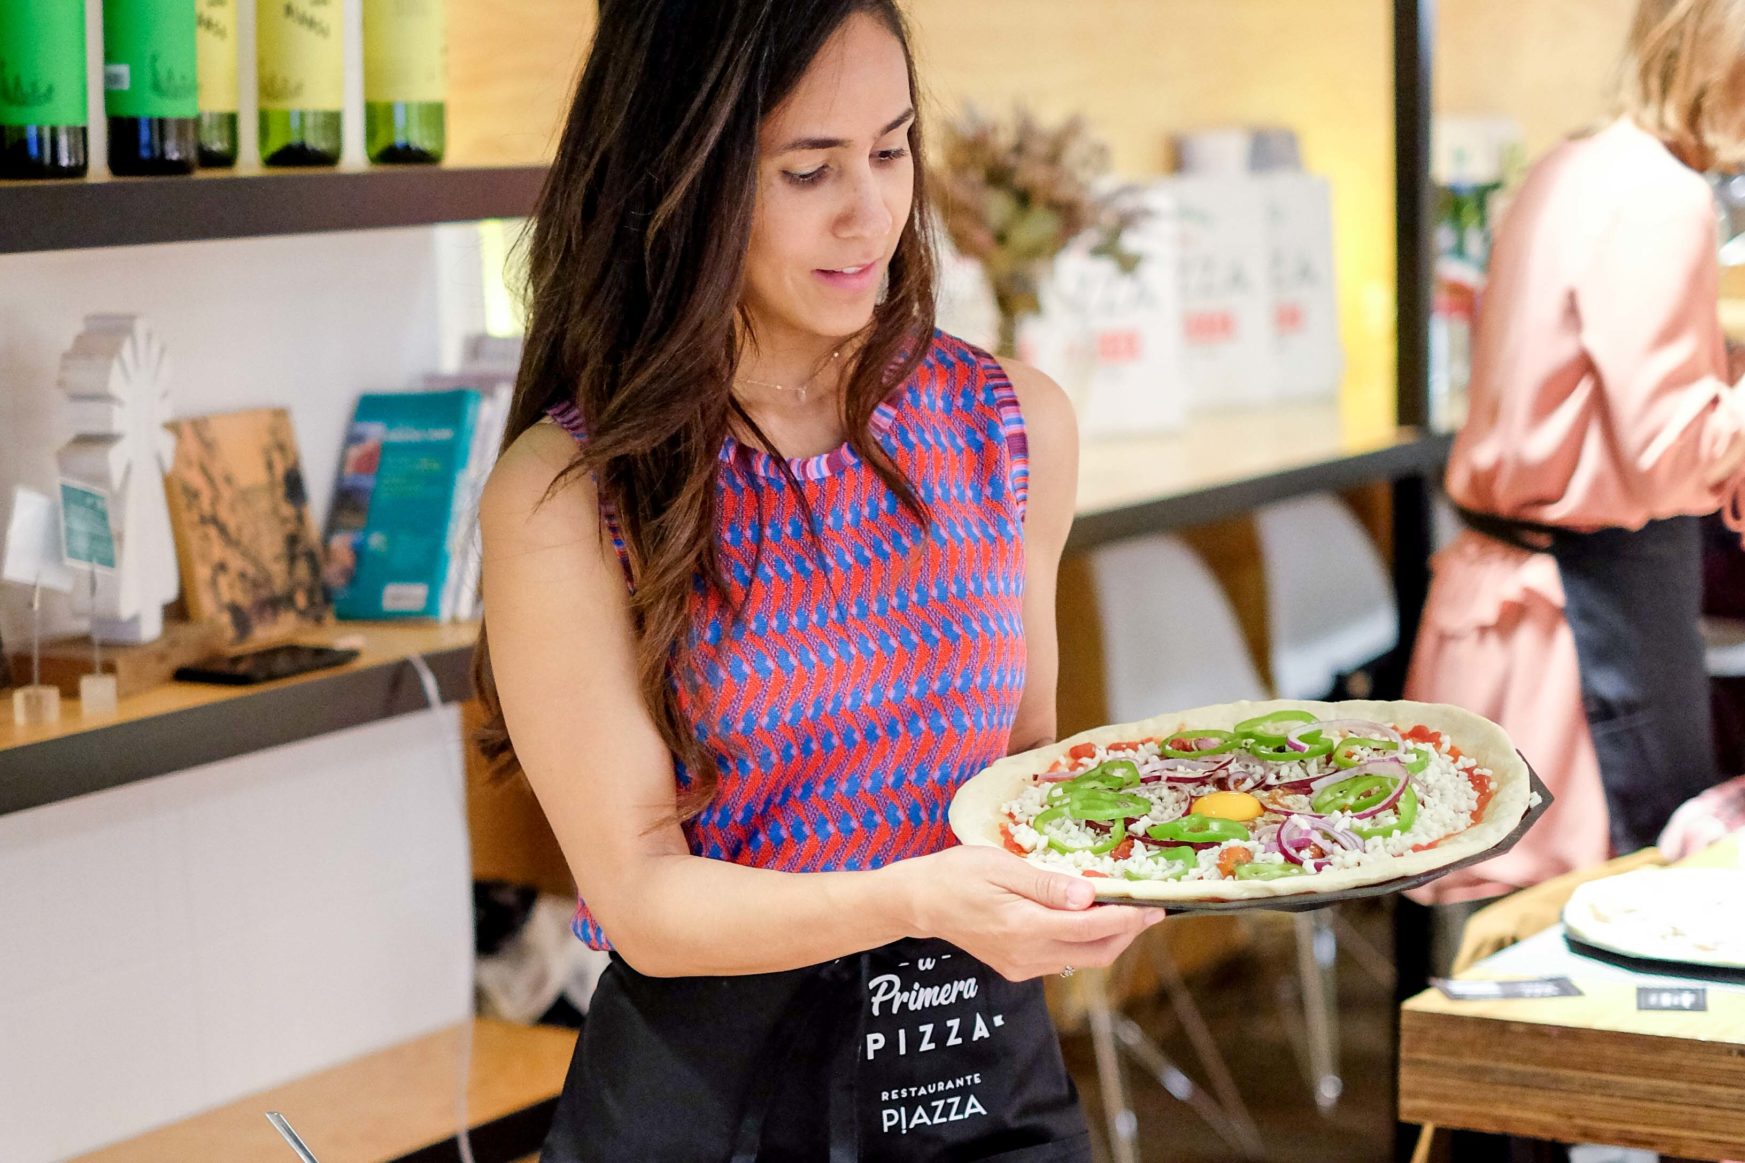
[[1330, 599], [1169, 639]]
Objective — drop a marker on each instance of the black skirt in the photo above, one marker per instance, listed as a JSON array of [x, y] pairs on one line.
[[912, 1051]]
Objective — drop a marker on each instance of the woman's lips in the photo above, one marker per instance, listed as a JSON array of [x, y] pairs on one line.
[[852, 280]]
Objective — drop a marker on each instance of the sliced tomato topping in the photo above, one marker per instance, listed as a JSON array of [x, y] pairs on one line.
[[1094, 874], [1419, 733], [1486, 789], [1011, 845], [1124, 747], [1122, 850], [1230, 858], [1083, 751]]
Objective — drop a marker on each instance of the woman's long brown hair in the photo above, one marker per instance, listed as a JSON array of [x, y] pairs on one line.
[[635, 260]]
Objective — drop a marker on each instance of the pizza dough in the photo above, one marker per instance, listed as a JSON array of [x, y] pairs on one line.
[[979, 810], [1692, 915]]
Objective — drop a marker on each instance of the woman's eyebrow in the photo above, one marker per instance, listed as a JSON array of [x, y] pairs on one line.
[[810, 143]]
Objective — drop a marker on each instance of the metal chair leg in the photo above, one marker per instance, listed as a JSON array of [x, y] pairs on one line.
[[1317, 952], [1123, 1125]]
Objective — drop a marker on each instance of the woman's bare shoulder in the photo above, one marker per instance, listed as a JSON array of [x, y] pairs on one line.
[[519, 506]]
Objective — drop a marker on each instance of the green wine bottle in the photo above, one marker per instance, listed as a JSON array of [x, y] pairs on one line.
[[301, 57], [42, 89], [218, 89], [405, 81], [150, 86]]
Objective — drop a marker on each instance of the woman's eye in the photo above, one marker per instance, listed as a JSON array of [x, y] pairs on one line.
[[897, 153], [804, 179]]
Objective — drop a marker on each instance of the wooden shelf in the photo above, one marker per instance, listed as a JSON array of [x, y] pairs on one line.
[[182, 725], [395, 1105], [1223, 464], [106, 211]]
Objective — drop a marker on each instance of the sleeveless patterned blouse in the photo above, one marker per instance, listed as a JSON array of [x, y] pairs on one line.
[[864, 680]]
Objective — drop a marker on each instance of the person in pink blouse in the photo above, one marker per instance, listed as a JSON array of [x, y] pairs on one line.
[[1602, 423]]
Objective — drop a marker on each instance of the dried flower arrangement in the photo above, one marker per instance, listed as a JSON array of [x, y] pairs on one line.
[[1012, 196]]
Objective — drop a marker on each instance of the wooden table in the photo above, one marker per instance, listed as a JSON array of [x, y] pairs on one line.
[[1580, 1069]]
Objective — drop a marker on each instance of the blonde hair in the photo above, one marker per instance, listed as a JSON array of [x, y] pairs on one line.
[[1681, 71]]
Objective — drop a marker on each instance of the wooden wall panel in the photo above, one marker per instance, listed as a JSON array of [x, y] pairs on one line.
[[512, 66]]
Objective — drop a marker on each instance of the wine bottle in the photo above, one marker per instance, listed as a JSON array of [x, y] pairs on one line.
[[405, 81], [42, 89], [218, 89], [301, 57], [150, 86]]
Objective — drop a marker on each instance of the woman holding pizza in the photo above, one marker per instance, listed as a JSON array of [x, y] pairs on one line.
[[1602, 424], [769, 570]]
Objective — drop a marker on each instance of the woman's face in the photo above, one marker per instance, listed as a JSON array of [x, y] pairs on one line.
[[834, 187]]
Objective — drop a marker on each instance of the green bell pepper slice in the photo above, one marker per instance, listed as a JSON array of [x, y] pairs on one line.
[[1315, 750], [1258, 871], [1272, 730], [1418, 760], [1198, 830], [1108, 843], [1226, 741], [1342, 754], [1405, 815], [1183, 858], [1357, 794]]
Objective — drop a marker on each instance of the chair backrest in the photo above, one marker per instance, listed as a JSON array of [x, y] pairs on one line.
[[1170, 636], [1330, 599]]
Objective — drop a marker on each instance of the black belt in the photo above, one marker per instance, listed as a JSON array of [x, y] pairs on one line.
[[1532, 536]]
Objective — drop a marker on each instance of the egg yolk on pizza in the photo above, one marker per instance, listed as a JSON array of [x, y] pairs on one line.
[[1228, 805]]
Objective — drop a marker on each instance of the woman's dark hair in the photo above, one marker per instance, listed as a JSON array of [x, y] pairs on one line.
[[635, 260]]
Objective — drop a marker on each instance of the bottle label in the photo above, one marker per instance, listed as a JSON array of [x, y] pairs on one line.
[[405, 50], [154, 40], [301, 54], [42, 63], [217, 55]]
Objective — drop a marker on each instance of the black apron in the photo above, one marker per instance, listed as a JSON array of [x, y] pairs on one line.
[[907, 1052], [1633, 600]]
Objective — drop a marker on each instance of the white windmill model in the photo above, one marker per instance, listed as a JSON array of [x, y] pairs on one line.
[[116, 380]]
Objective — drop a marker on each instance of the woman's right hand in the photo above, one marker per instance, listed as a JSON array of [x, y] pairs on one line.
[[1020, 920]]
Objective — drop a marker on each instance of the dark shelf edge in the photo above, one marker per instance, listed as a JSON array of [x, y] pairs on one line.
[[80, 214], [36, 774], [1416, 458]]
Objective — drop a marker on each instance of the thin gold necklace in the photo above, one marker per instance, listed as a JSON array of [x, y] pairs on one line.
[[798, 389]]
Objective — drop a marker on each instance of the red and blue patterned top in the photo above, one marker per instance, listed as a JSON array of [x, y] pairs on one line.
[[865, 680]]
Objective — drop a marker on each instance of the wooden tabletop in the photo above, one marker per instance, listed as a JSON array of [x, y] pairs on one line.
[[1581, 1069]]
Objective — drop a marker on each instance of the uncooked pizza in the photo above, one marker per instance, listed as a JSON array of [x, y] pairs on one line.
[[1251, 800]]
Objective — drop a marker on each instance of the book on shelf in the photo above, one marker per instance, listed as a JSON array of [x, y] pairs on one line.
[[250, 556], [400, 541]]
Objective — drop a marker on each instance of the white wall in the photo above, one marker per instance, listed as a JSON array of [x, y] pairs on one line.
[[181, 942], [172, 945]]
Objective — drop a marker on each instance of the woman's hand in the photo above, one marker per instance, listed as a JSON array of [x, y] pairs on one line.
[[1021, 920]]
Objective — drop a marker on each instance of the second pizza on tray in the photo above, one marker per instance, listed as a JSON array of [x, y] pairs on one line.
[[1254, 800]]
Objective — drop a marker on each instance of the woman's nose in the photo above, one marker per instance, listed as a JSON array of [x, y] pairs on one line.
[[866, 215]]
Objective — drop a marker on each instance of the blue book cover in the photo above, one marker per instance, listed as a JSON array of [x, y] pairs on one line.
[[400, 479]]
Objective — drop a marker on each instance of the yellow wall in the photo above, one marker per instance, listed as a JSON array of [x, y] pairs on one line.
[[1141, 71], [1547, 63]]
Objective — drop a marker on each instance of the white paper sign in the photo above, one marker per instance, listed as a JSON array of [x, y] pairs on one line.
[[1226, 296], [1308, 361], [33, 543]]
